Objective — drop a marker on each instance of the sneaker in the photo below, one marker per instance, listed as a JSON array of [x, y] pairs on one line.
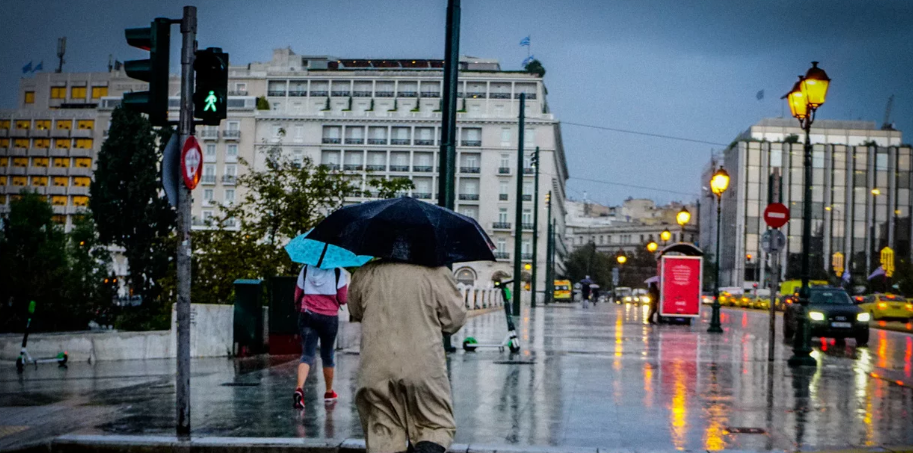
[[298, 399], [330, 396]]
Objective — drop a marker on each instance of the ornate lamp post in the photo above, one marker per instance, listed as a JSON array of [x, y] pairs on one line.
[[652, 246], [665, 236], [718, 184], [683, 217], [804, 99]]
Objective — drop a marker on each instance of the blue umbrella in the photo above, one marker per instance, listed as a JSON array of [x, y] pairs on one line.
[[325, 256]]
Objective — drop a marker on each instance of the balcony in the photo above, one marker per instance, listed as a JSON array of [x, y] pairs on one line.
[[422, 195], [82, 133], [377, 141], [208, 180], [58, 171], [318, 93], [376, 167], [238, 93], [476, 95], [61, 133], [469, 197], [424, 142], [528, 226], [353, 167], [500, 96], [422, 168], [361, 94], [399, 168], [526, 256], [229, 180], [39, 133], [298, 93], [470, 170], [20, 133], [500, 225], [231, 134], [383, 94], [529, 171], [17, 151], [528, 95], [275, 93], [17, 170], [407, 94], [209, 134], [340, 93], [331, 141], [400, 141], [6, 133], [331, 166], [527, 197], [470, 142], [503, 170], [80, 171], [57, 190], [431, 94], [38, 152], [502, 197], [77, 152], [499, 255], [78, 190], [355, 141]]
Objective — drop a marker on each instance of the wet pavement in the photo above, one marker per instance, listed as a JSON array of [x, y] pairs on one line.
[[586, 378]]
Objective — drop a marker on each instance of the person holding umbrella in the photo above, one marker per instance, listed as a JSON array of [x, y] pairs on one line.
[[321, 290], [585, 291], [653, 294], [405, 301]]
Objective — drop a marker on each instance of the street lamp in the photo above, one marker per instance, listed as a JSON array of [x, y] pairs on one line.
[[665, 235], [718, 184], [652, 246], [621, 257], [683, 217], [807, 95]]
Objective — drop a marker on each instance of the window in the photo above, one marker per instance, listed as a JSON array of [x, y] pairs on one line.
[[42, 125], [229, 196], [502, 187], [4, 143], [23, 124], [83, 143], [231, 153], [29, 97], [40, 162], [78, 93], [20, 181], [64, 124], [505, 136], [61, 181], [505, 161], [207, 196], [99, 92], [43, 143], [4, 124], [85, 124], [502, 245], [59, 200], [21, 143], [20, 161], [83, 162], [2, 180], [58, 92], [502, 215], [231, 170], [529, 137], [81, 181], [39, 181], [527, 216], [62, 143], [81, 201], [210, 154], [4, 161]]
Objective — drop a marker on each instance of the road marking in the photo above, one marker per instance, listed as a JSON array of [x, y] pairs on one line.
[[10, 430]]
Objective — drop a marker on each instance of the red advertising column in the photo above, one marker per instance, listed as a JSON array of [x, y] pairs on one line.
[[680, 286]]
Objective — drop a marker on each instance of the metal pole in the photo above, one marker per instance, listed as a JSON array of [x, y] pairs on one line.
[[518, 217], [535, 232], [715, 326], [549, 246], [185, 200], [447, 170], [802, 346], [774, 274]]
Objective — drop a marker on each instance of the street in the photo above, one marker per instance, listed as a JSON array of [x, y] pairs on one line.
[[586, 378]]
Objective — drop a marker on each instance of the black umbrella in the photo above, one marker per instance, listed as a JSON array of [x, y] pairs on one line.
[[406, 229]]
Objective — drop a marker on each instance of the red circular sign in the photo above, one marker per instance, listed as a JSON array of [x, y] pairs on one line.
[[776, 215], [191, 163]]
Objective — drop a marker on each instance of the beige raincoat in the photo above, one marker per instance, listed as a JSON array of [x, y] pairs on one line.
[[403, 390]]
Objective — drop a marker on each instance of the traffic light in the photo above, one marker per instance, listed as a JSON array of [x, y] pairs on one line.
[[157, 40], [210, 99], [535, 159]]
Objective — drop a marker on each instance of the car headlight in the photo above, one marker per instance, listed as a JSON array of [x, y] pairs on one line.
[[863, 317], [816, 316], [627, 298], [646, 299]]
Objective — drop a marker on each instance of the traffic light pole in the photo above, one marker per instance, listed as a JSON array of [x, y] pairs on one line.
[[185, 130], [532, 287], [549, 277], [518, 216]]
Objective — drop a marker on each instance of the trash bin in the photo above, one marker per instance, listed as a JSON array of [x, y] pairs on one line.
[[248, 317], [283, 317]]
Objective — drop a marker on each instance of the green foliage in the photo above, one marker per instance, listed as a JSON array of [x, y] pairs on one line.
[[90, 266], [391, 188], [262, 103], [535, 67], [640, 266], [870, 143], [791, 138], [395, 106], [418, 105], [349, 108], [326, 108], [129, 211], [463, 108], [587, 261], [371, 107]]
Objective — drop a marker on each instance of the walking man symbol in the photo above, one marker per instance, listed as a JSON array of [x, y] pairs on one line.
[[210, 102]]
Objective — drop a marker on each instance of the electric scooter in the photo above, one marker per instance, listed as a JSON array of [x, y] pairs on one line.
[[510, 341], [24, 356]]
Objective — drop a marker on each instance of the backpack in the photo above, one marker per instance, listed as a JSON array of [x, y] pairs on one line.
[[300, 303]]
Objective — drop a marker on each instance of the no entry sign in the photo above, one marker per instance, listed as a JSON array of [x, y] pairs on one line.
[[191, 162], [776, 215]]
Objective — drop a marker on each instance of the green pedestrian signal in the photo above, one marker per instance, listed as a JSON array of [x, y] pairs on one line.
[[210, 99], [157, 40]]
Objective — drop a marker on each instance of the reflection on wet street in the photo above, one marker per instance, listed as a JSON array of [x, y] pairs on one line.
[[591, 378]]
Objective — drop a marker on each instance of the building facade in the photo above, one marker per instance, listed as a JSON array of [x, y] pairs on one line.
[[861, 179]]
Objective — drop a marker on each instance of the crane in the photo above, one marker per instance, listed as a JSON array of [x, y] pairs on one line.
[[887, 125]]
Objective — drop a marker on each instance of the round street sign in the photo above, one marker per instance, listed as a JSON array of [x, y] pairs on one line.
[[776, 215], [191, 162], [772, 241]]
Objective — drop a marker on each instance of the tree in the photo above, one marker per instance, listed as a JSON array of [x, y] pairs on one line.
[[129, 211], [791, 138], [391, 188], [91, 284], [33, 259], [535, 67], [640, 266], [587, 261]]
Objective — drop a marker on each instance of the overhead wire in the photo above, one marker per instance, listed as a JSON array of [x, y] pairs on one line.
[[646, 134]]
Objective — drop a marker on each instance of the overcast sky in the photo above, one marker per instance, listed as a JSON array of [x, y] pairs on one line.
[[689, 69]]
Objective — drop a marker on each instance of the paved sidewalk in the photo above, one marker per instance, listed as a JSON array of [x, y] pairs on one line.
[[598, 378]]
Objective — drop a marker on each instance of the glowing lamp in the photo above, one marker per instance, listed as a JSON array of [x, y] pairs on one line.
[[814, 86]]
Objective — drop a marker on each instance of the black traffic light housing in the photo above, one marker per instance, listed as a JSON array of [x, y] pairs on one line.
[[157, 40], [210, 98]]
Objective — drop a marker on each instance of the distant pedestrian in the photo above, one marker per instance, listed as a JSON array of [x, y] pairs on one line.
[[585, 291], [318, 295], [653, 294], [403, 395]]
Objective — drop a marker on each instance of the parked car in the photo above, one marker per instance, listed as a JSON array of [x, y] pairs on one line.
[[831, 314], [707, 298], [887, 306]]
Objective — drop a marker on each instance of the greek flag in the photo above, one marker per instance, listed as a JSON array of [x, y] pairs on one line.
[[27, 68], [760, 95], [528, 60], [38, 67], [524, 41]]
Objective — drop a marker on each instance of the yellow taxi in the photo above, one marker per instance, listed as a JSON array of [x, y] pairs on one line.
[[726, 299], [887, 306], [746, 301], [562, 291]]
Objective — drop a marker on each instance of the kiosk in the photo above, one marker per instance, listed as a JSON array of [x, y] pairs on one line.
[[680, 275]]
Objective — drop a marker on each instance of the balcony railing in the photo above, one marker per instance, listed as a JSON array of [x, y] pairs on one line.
[[208, 179], [469, 196], [238, 93], [423, 169], [383, 94], [318, 93], [331, 166], [376, 167], [229, 180], [499, 255], [470, 170], [298, 93], [501, 225], [527, 226], [471, 142], [352, 167], [341, 93], [207, 134], [503, 170], [331, 141], [361, 94], [231, 134], [502, 197], [407, 94], [528, 95], [431, 94], [400, 141], [526, 256], [399, 168], [275, 93], [377, 141], [355, 141], [422, 195], [527, 197], [529, 171], [476, 95], [424, 142], [500, 96]]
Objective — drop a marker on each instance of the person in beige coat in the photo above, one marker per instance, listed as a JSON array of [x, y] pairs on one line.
[[403, 395]]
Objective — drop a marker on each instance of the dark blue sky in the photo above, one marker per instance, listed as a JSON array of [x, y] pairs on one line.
[[688, 69]]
